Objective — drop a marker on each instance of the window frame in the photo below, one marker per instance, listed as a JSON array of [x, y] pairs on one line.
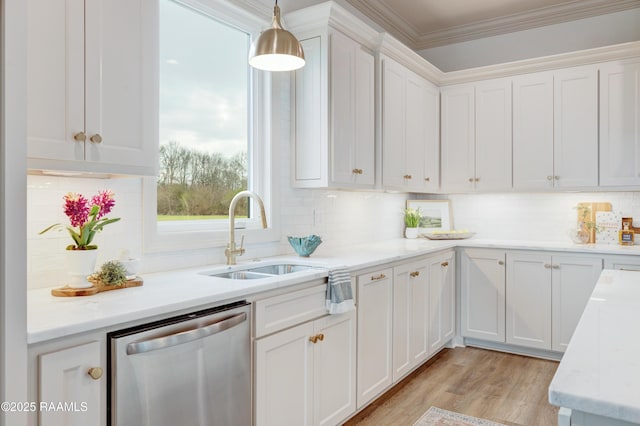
[[200, 234]]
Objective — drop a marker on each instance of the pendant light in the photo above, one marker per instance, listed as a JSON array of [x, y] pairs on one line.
[[276, 49]]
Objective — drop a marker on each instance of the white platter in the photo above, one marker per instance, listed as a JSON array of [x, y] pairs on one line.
[[448, 236]]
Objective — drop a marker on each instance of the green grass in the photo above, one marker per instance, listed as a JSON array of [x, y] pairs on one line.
[[166, 218]]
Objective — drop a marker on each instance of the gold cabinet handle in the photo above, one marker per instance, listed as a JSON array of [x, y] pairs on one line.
[[444, 264], [427, 179], [313, 339], [80, 137], [96, 138], [320, 337], [95, 373], [500, 262], [414, 274], [356, 171], [556, 177], [555, 266], [546, 265], [470, 179], [408, 176], [378, 277], [476, 180], [549, 177]]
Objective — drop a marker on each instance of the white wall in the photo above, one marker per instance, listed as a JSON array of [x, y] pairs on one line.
[[614, 28]]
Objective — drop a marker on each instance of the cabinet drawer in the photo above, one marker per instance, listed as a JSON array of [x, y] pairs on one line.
[[279, 312]]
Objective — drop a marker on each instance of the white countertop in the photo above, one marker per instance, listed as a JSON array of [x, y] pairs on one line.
[[600, 371], [163, 293]]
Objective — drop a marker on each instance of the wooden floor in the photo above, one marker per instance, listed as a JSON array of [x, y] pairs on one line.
[[505, 388]]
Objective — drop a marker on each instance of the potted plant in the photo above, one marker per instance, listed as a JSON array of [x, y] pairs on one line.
[[412, 221], [87, 218]]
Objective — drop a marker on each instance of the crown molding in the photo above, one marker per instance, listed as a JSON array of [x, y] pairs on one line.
[[395, 49], [386, 17], [621, 51]]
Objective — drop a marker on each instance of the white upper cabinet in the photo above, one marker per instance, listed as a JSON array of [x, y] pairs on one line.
[[333, 143], [410, 130], [458, 138], [620, 124], [555, 129], [92, 85], [476, 136], [493, 135], [533, 131], [575, 142]]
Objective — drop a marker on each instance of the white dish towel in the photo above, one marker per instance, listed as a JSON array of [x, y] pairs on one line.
[[339, 294]]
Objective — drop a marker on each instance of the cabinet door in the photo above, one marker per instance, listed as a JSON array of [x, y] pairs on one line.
[[283, 377], [441, 300], [64, 378], [335, 369], [620, 124], [458, 138], [493, 135], [575, 144], [364, 101], [482, 288], [410, 317], [121, 79], [309, 148], [529, 300], [574, 279], [375, 304], [533, 131], [415, 131], [393, 124], [342, 108], [431, 117], [55, 77]]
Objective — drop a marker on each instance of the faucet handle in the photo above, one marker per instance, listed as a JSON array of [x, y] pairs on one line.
[[241, 243]]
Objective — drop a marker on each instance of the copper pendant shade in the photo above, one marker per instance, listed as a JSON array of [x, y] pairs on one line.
[[276, 49]]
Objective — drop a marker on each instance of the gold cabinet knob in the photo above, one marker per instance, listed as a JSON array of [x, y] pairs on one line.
[[378, 277], [414, 274], [427, 179], [477, 179], [444, 264], [320, 337], [470, 179], [96, 138], [549, 177], [357, 171], [313, 339], [556, 177], [80, 137], [95, 373], [500, 262]]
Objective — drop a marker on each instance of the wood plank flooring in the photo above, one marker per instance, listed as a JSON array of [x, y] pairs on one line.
[[505, 388]]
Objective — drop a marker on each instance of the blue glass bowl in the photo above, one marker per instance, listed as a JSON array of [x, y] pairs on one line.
[[304, 246]]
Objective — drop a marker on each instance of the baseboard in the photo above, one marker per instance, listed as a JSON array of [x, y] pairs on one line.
[[512, 349]]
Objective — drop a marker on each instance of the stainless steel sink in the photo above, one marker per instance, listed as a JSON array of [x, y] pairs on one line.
[[240, 275], [280, 269], [258, 272]]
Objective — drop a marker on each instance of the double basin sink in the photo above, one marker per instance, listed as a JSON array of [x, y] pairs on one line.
[[260, 271]]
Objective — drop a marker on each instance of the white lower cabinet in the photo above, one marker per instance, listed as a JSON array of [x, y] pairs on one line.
[[482, 294], [73, 377], [442, 306], [375, 307], [546, 296], [305, 375], [410, 317]]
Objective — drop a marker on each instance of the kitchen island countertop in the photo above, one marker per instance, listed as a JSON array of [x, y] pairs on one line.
[[599, 373]]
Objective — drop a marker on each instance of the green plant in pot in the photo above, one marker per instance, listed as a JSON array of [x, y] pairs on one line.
[[412, 221]]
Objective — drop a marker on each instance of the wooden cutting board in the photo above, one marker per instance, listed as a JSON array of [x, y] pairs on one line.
[[593, 207], [97, 287]]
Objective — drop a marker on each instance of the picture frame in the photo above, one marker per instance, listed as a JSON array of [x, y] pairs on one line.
[[435, 215]]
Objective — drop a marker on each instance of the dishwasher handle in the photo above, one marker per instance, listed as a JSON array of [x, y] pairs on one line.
[[186, 336]]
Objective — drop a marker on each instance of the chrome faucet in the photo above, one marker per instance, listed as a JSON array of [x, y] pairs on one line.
[[231, 251]]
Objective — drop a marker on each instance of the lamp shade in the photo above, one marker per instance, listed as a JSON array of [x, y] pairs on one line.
[[276, 49]]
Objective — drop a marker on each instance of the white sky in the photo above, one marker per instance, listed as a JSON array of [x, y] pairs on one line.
[[203, 96]]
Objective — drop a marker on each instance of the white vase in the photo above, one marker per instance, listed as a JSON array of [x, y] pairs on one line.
[[80, 264], [411, 232]]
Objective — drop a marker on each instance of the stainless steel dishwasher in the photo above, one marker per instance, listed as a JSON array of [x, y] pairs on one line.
[[188, 370]]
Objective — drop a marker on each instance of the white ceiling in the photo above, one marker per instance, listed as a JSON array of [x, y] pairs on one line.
[[422, 24]]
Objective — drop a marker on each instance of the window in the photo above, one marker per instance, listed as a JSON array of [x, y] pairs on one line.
[[209, 100]]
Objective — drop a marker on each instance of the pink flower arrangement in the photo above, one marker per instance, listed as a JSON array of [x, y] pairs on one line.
[[86, 217]]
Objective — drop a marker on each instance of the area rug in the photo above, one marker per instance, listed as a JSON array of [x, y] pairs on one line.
[[439, 417]]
